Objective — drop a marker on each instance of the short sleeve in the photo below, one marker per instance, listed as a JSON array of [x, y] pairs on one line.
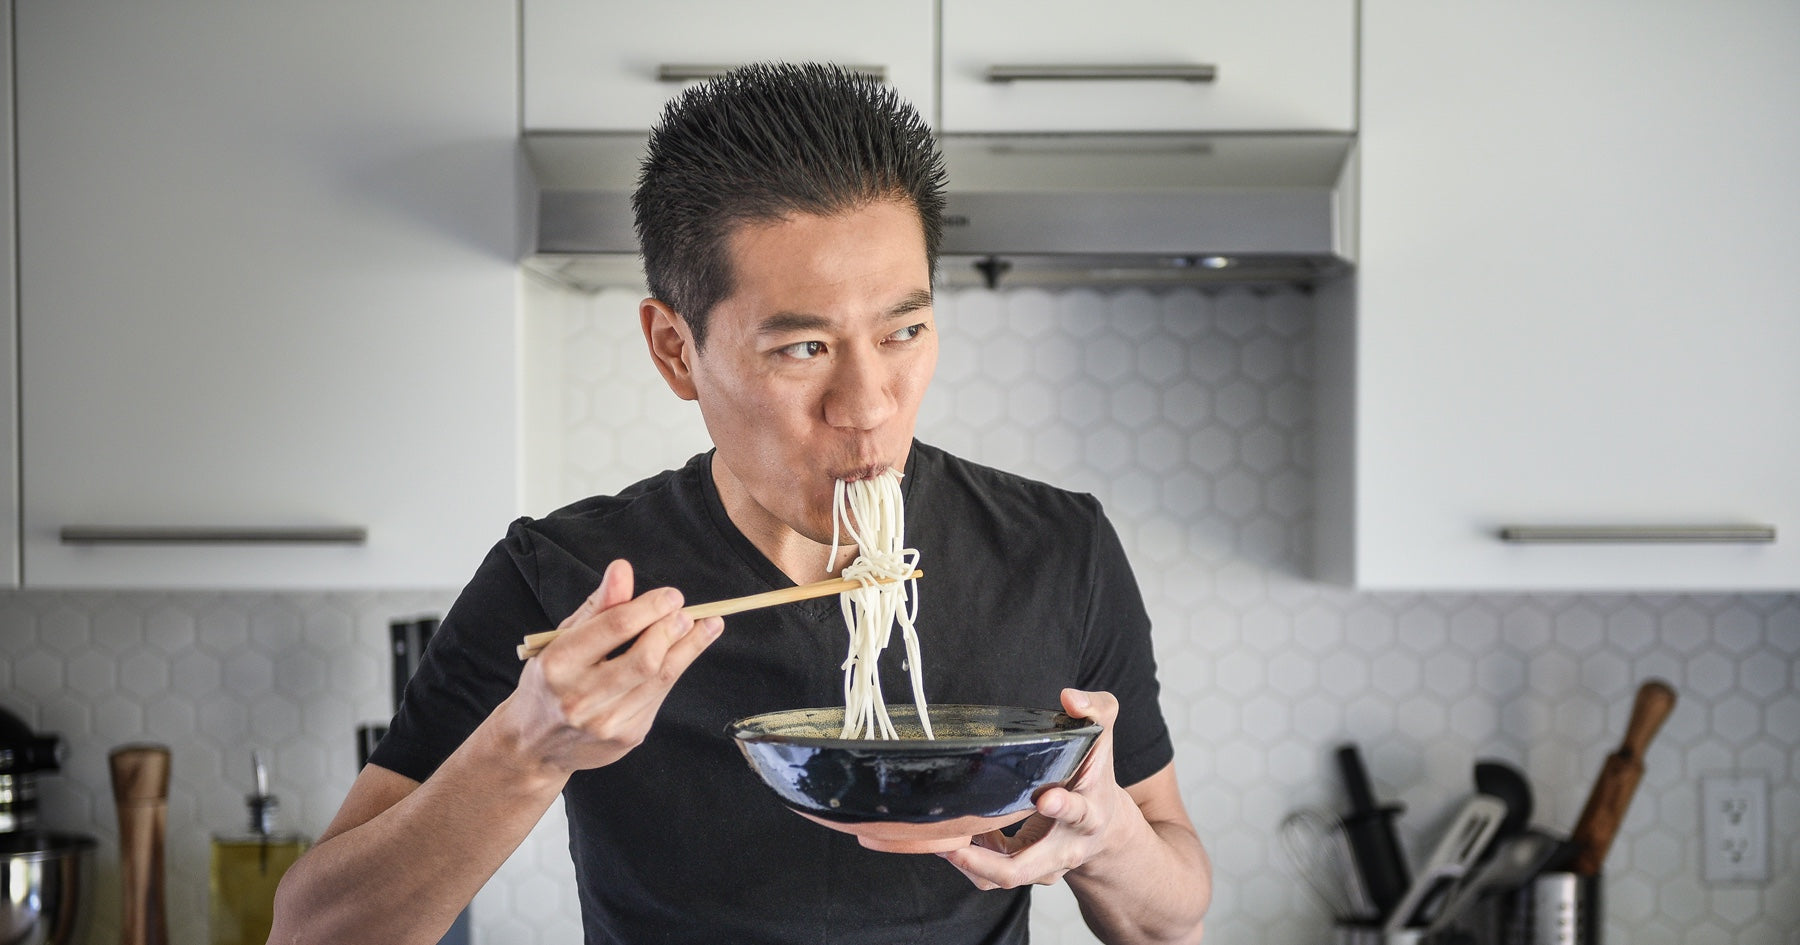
[[1118, 657], [471, 664]]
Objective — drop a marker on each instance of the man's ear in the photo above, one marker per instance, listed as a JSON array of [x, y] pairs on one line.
[[671, 345]]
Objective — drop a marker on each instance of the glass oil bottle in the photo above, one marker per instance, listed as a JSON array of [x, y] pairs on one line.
[[247, 866]]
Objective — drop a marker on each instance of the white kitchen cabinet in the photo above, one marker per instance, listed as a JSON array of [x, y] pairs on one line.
[[1140, 65], [1575, 298], [267, 281], [9, 328], [611, 66]]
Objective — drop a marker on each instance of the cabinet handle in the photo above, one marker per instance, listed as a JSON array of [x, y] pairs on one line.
[[1638, 534], [692, 72], [157, 535], [1179, 72]]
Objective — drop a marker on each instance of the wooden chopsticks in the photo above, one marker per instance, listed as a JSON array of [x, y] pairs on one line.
[[735, 605]]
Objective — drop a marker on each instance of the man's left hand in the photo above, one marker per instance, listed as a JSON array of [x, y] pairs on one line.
[[1072, 825]]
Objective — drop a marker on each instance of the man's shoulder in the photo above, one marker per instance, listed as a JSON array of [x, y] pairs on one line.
[[1012, 495], [653, 502]]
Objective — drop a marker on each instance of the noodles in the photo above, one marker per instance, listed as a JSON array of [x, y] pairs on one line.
[[873, 515]]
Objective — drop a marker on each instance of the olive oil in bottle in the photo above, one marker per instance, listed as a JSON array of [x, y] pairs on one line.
[[246, 868]]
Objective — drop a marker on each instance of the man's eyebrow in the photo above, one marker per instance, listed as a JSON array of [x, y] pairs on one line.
[[914, 301], [784, 322]]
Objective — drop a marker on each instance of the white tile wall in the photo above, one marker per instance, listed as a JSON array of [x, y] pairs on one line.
[[1189, 415], [212, 676]]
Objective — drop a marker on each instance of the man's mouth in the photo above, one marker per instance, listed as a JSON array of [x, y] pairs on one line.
[[861, 472]]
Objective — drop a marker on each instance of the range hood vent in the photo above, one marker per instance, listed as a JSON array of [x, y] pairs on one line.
[[1062, 210]]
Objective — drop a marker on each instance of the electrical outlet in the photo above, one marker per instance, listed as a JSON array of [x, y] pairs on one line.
[[1734, 828]]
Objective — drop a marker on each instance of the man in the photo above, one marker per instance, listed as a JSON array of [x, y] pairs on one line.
[[789, 219]]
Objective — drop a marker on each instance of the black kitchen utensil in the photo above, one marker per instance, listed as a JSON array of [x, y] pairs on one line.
[[1373, 838], [409, 639], [1462, 845], [1496, 778], [367, 737]]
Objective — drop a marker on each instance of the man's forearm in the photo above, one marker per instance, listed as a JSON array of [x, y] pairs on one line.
[[403, 874], [1155, 890]]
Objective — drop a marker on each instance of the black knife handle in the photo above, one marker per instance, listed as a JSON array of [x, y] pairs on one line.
[[1374, 840], [1379, 858], [1356, 781]]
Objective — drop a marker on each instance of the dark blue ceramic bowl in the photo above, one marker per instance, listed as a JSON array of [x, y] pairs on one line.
[[914, 795]]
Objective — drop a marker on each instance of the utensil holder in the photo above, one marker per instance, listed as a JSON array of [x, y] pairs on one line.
[[1565, 909], [1353, 933]]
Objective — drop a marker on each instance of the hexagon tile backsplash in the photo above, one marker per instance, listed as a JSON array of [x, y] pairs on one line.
[[1188, 414]]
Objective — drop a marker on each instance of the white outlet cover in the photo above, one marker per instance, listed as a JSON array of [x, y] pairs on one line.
[[1734, 828]]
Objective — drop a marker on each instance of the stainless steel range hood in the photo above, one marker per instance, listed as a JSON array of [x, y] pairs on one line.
[[1058, 210]]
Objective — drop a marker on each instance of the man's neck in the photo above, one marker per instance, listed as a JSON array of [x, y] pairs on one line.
[[802, 559], [795, 555]]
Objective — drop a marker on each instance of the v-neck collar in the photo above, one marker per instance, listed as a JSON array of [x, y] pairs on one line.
[[752, 557]]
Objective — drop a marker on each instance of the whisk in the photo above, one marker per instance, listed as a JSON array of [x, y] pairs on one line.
[[1317, 851]]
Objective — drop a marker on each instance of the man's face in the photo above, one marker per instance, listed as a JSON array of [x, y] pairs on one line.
[[814, 368]]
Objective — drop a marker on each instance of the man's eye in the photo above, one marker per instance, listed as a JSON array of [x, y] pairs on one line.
[[804, 350], [908, 333]]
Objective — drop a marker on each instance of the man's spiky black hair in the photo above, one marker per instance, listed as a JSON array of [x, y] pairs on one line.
[[762, 142]]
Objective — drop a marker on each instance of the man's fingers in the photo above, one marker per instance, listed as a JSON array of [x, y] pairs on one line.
[[631, 689], [992, 840], [667, 648], [1064, 806], [615, 584], [651, 652], [1102, 707], [593, 638], [615, 588]]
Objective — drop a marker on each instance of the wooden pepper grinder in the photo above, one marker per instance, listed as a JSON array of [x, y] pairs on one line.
[[140, 778]]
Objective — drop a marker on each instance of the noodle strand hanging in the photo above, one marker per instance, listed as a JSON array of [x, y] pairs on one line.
[[872, 513]]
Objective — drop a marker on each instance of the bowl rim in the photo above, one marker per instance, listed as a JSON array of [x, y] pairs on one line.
[[739, 731]]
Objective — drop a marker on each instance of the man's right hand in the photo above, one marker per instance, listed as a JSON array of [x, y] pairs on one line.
[[584, 701], [583, 704]]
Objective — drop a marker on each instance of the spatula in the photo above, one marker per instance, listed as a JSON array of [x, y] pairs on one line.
[[1516, 861], [1461, 845]]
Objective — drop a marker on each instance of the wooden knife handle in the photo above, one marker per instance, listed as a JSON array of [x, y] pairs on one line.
[[1611, 796], [140, 778]]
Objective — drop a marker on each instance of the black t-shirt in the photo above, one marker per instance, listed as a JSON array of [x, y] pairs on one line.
[[1026, 590]]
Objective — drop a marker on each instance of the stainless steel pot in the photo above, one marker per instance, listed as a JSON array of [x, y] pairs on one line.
[[44, 875], [44, 879]]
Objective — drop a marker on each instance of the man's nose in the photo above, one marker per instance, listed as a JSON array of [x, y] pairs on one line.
[[858, 398]]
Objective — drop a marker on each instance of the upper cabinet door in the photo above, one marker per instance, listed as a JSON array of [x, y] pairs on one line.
[[1576, 293], [1148, 65], [268, 282], [611, 65], [9, 325]]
